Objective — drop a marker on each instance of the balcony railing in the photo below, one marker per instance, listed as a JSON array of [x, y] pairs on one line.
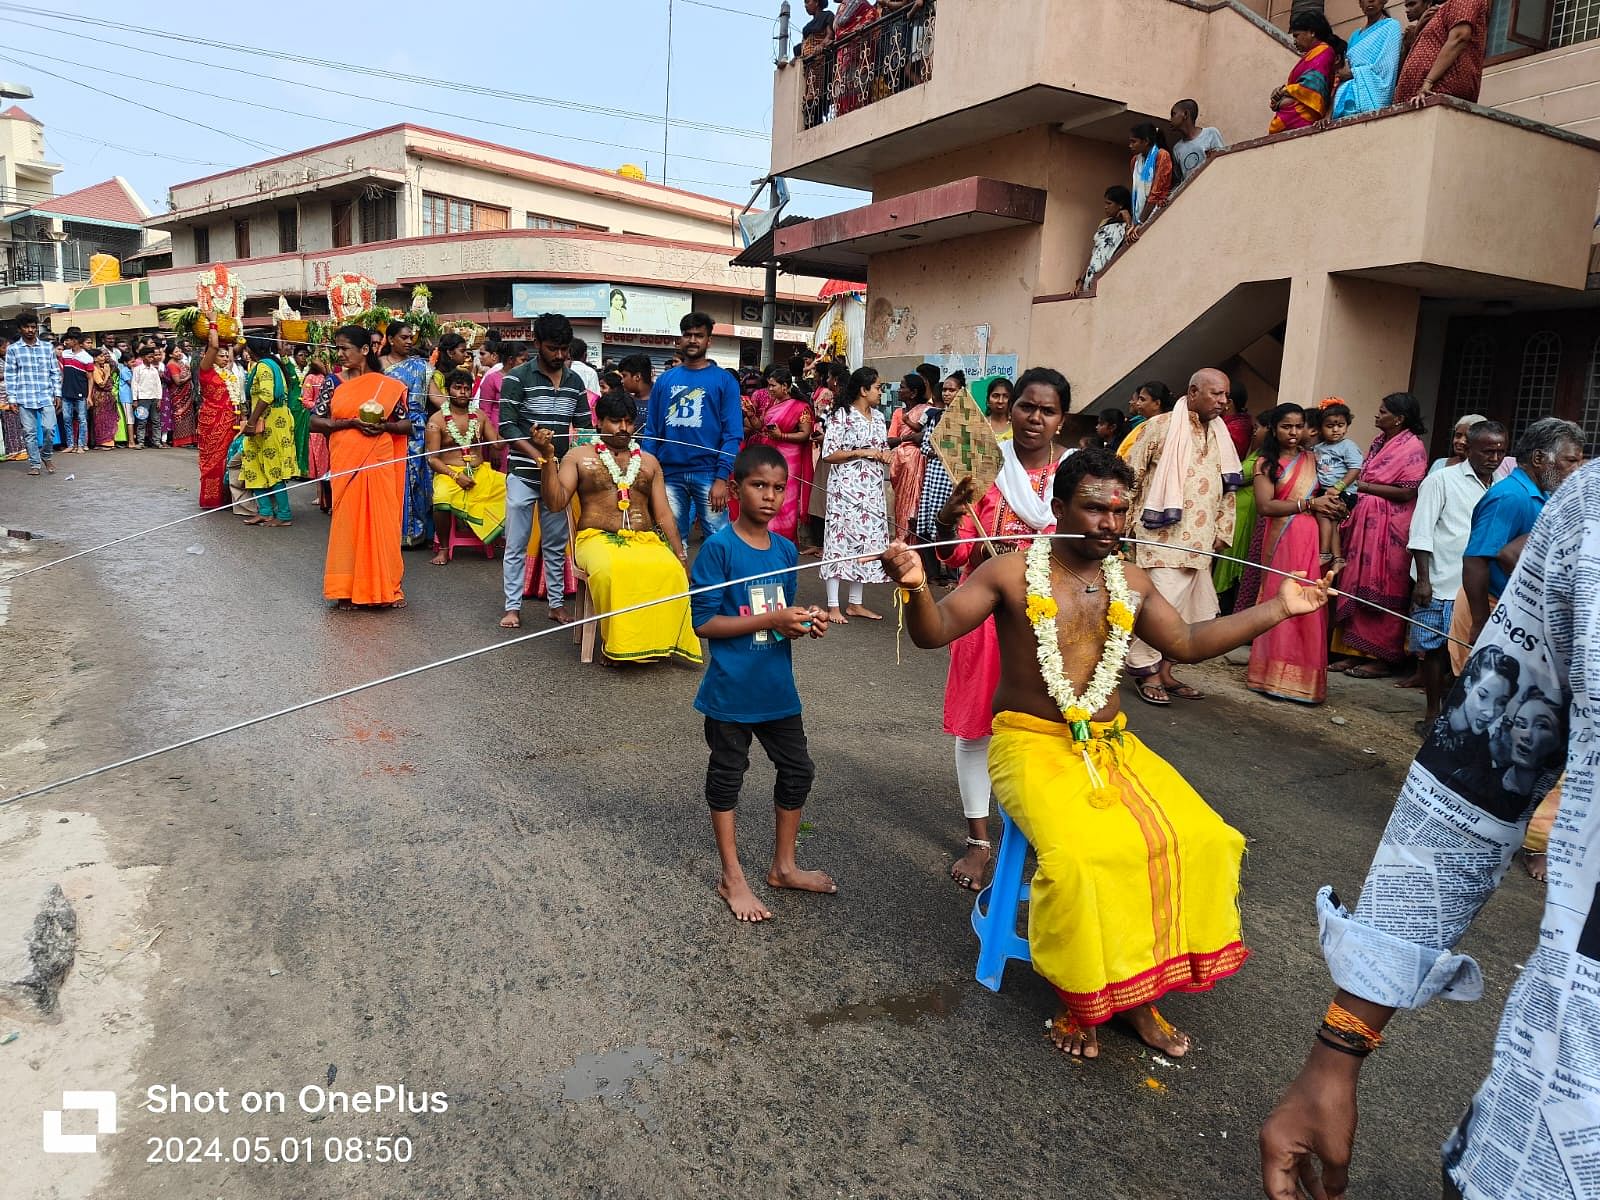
[[868, 64]]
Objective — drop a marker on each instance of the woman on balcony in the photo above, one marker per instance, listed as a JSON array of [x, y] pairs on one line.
[[1306, 98], [1372, 62], [1152, 171]]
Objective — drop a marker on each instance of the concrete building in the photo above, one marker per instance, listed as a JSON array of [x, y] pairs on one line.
[[497, 234], [1446, 250]]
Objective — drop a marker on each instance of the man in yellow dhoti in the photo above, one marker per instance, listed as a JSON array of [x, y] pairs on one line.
[[1137, 889], [622, 498], [466, 489]]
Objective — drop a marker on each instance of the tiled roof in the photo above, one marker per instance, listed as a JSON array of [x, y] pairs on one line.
[[112, 200], [16, 114]]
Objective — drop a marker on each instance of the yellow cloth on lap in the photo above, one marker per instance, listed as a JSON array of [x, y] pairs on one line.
[[1137, 889], [482, 507], [630, 568]]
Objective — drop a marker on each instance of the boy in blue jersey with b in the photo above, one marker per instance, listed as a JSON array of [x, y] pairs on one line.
[[748, 690]]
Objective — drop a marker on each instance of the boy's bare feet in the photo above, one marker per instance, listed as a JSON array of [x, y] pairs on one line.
[[1156, 1031], [801, 881], [441, 559], [512, 619], [741, 900], [561, 616], [862, 611], [1074, 1039]]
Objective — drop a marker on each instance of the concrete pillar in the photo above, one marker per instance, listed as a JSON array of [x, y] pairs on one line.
[[1348, 337]]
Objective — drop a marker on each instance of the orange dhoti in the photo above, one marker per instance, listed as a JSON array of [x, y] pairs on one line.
[[364, 564]]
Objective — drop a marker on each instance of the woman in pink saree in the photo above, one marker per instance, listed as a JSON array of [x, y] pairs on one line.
[[1289, 661], [1375, 537], [782, 419], [1307, 97], [905, 440]]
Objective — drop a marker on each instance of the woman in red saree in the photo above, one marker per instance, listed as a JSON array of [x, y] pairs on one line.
[[1308, 95], [363, 414], [782, 419], [905, 440], [219, 420], [1289, 661], [180, 392], [1375, 537]]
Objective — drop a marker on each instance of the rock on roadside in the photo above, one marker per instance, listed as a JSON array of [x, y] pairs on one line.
[[33, 969]]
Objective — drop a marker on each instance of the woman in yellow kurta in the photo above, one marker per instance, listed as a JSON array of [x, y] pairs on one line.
[[269, 459]]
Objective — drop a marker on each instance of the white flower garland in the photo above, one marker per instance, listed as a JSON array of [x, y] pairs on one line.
[[463, 440], [1119, 634], [624, 482]]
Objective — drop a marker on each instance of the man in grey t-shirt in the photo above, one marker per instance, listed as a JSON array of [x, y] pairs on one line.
[[1193, 143]]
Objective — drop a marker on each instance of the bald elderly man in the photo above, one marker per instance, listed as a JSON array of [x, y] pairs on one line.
[[1188, 509]]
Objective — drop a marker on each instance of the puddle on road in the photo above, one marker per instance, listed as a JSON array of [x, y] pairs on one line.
[[609, 1078], [906, 1009]]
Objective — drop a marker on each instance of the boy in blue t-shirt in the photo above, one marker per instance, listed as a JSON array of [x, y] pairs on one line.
[[748, 690]]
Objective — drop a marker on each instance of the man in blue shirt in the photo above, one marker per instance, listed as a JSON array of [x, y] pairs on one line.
[[1551, 450], [694, 426], [33, 384]]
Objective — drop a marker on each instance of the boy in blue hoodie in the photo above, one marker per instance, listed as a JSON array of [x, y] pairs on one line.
[[693, 426], [748, 690]]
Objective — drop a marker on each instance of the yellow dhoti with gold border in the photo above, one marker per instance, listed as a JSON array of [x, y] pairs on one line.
[[1137, 889], [629, 568], [481, 507]]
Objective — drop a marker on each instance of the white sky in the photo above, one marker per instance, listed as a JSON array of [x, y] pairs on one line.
[[608, 53]]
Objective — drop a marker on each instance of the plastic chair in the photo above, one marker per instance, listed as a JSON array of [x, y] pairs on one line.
[[585, 633], [994, 912], [460, 534]]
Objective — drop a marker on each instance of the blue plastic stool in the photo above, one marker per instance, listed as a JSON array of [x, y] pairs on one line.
[[994, 913]]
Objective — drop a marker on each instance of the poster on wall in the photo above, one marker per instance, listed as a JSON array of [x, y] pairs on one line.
[[650, 310], [575, 301]]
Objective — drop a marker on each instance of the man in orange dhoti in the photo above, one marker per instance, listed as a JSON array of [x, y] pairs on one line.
[[1136, 894], [362, 412]]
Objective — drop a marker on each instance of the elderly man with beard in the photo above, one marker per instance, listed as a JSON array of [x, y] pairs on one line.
[[1186, 473]]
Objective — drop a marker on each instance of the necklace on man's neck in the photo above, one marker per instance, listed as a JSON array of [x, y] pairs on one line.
[[1090, 586]]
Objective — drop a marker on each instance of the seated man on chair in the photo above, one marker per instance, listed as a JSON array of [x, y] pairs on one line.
[[466, 489], [622, 498], [1137, 889]]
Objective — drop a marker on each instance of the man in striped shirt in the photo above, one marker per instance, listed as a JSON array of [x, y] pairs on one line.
[[543, 393], [33, 383]]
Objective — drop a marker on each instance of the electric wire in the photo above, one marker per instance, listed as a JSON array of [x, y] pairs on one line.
[[490, 648], [396, 76], [396, 104]]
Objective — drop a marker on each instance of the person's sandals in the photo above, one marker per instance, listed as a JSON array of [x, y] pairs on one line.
[[35, 471], [1184, 692], [1152, 692]]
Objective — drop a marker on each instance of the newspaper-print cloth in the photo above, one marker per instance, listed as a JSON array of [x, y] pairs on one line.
[[1525, 706]]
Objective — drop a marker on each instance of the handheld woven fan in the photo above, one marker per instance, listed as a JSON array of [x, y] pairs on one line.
[[966, 444]]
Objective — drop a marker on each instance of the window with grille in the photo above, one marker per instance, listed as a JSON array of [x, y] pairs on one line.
[[1574, 21], [1473, 376], [288, 230], [448, 214], [202, 244], [1536, 388], [1591, 405], [378, 222]]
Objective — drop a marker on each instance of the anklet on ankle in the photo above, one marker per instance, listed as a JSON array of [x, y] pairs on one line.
[[979, 842]]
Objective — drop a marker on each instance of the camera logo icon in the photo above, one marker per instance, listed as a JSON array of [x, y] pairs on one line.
[[104, 1106]]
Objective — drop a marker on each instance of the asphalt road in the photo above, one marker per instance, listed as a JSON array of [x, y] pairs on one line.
[[496, 881]]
